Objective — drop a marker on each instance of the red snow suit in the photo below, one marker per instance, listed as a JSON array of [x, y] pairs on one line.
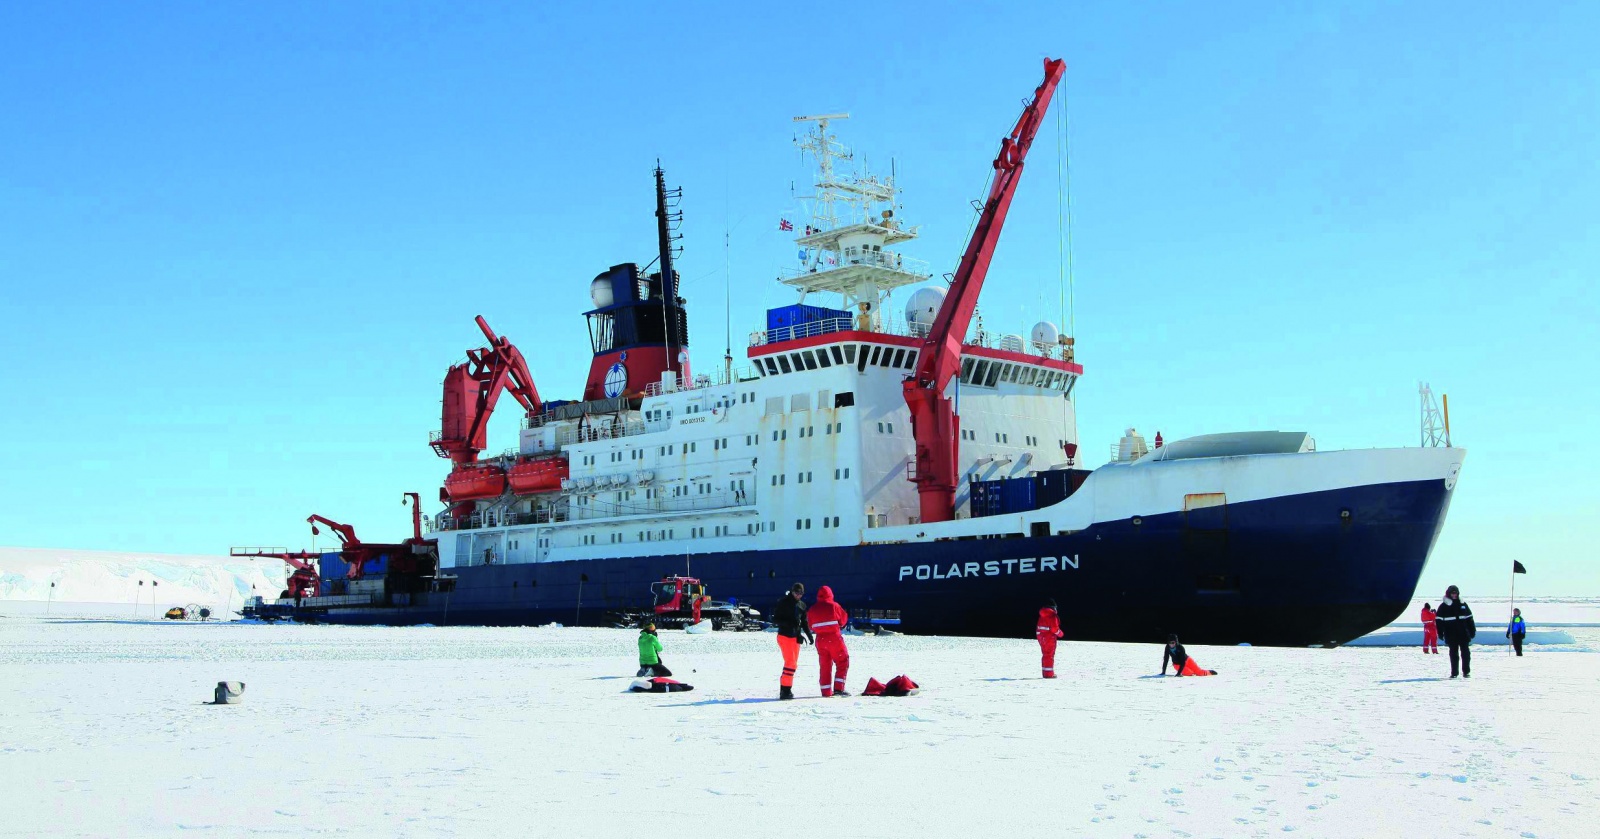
[[1048, 632], [1192, 668], [828, 619], [1430, 631]]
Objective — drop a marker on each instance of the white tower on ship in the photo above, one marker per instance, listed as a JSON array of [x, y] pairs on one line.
[[847, 249]]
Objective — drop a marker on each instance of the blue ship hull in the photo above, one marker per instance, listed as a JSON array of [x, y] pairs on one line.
[[1308, 569]]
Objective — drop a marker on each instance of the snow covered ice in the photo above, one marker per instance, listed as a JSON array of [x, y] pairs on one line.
[[422, 731]]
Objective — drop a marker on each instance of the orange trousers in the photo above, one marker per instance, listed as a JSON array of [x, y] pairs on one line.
[[790, 647], [1192, 668]]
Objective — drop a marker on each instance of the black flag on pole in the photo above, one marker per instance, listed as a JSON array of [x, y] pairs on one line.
[[1516, 568]]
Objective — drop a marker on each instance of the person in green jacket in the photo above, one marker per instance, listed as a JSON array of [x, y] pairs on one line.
[[1517, 630], [650, 653]]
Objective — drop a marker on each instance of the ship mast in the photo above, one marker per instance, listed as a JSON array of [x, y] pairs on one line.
[[843, 249]]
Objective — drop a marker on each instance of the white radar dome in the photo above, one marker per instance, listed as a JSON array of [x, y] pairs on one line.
[[922, 308], [600, 292], [1012, 343], [1044, 335]]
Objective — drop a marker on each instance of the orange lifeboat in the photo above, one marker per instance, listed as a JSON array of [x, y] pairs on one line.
[[472, 482], [540, 474]]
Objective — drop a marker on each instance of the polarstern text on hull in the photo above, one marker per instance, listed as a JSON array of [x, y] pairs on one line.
[[989, 568], [877, 438]]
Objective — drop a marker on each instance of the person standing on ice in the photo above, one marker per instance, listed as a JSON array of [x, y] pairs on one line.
[[828, 620], [1048, 632], [1182, 664], [789, 615], [1458, 629], [1517, 630], [1430, 630], [650, 653]]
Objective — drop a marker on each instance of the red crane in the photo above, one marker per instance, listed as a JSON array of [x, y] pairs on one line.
[[934, 423], [471, 391], [304, 581]]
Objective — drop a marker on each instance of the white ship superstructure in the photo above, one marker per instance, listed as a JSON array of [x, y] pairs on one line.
[[806, 446]]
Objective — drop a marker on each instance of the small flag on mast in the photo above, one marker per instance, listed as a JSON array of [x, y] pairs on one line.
[[1516, 568], [785, 224]]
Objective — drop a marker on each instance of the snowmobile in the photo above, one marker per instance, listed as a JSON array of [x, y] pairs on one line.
[[681, 601]]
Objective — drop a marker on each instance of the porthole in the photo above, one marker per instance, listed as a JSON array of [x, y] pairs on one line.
[[1137, 520]]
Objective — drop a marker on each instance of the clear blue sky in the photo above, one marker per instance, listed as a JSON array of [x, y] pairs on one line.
[[239, 243]]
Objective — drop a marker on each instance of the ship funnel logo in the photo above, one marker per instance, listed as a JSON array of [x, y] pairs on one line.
[[616, 380]]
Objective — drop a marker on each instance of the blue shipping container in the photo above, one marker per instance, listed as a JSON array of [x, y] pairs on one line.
[[798, 315]]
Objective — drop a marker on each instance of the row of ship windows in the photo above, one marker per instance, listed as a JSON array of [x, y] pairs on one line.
[[668, 533], [718, 444], [806, 477], [1000, 437], [735, 486], [978, 372], [982, 372]]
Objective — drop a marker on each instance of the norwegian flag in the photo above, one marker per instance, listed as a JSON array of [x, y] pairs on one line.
[[785, 224]]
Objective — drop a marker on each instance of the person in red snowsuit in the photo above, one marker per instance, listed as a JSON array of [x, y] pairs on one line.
[[828, 620], [1430, 630], [1048, 632]]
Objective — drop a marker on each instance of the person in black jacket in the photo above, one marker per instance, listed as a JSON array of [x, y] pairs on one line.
[[1457, 628], [789, 615], [1182, 664]]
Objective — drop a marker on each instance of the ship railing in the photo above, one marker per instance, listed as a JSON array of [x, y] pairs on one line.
[[478, 521], [890, 260], [702, 381], [808, 329], [654, 506]]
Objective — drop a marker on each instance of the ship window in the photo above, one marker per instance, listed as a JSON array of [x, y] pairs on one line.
[[783, 363], [822, 358], [980, 369], [993, 376], [849, 353], [875, 352], [899, 356], [891, 427], [838, 354], [806, 359], [966, 370]]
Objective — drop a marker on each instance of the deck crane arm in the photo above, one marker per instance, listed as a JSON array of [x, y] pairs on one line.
[[934, 423], [304, 580], [345, 532], [471, 391]]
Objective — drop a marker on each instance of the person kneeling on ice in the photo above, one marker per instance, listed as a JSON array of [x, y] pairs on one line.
[[1049, 632], [828, 620], [1181, 662], [650, 653]]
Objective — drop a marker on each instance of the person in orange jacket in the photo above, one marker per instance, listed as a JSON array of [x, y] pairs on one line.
[[1430, 629], [1048, 632], [828, 620]]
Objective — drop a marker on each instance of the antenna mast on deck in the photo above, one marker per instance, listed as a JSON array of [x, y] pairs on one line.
[[1435, 424]]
